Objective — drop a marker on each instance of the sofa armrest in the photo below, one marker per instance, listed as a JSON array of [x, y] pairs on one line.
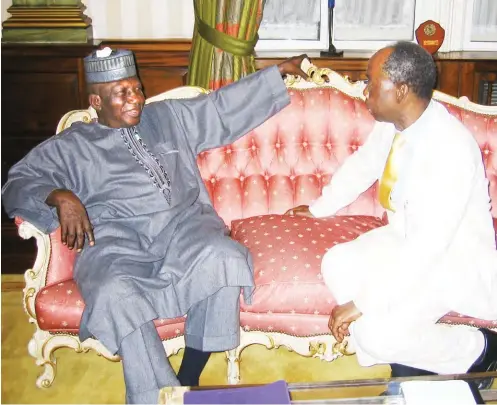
[[54, 262], [35, 277]]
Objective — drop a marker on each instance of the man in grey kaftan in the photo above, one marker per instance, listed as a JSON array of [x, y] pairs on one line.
[[160, 250]]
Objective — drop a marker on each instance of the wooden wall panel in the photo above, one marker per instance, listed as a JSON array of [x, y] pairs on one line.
[[467, 80], [156, 80], [448, 77], [39, 105]]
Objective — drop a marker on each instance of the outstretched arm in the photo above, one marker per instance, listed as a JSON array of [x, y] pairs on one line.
[[225, 115]]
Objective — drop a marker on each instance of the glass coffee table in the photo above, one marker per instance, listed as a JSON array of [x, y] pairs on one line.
[[362, 391], [380, 391]]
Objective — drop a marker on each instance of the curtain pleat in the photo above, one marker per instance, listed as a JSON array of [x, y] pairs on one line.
[[223, 41]]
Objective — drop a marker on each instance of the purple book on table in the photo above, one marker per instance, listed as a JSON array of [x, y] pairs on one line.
[[275, 393]]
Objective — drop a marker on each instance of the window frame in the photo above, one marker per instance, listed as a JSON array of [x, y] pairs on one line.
[[375, 43], [265, 45], [455, 17], [467, 44]]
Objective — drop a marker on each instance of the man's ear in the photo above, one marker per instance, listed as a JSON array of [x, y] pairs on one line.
[[95, 101], [402, 92]]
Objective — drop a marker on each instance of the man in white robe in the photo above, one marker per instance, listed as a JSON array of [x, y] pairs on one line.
[[437, 253]]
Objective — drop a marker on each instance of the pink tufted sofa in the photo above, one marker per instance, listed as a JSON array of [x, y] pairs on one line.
[[283, 163]]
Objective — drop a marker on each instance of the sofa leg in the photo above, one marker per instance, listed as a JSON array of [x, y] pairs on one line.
[[233, 358], [43, 345], [37, 349]]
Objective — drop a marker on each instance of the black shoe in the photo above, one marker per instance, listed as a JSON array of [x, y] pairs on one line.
[[487, 362], [399, 370]]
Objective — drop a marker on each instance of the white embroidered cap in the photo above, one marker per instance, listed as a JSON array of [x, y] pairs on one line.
[[107, 65]]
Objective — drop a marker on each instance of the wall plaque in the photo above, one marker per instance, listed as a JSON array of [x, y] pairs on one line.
[[430, 35]]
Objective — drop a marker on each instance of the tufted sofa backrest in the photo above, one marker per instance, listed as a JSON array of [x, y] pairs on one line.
[[286, 161]]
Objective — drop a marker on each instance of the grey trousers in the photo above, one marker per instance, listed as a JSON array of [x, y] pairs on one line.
[[211, 325]]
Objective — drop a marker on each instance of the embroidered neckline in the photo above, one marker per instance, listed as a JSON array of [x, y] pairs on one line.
[[148, 161]]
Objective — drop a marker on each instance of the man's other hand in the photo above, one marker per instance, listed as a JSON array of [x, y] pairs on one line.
[[300, 211], [73, 218], [341, 317], [292, 66]]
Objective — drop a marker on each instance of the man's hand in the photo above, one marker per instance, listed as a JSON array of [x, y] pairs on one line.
[[300, 211], [292, 66], [341, 317], [73, 218]]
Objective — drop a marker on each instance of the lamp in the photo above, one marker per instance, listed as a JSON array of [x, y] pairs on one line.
[[332, 51]]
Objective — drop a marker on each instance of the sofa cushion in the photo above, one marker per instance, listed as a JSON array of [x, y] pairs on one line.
[[287, 253], [59, 308]]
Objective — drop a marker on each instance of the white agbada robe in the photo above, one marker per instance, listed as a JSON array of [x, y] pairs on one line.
[[437, 254]]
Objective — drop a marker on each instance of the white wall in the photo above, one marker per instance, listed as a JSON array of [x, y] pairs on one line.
[[5, 5], [134, 19], [141, 18]]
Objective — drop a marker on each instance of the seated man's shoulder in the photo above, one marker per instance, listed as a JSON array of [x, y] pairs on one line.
[[77, 133], [451, 128], [76, 129]]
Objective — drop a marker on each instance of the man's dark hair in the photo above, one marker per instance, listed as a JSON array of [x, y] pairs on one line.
[[410, 64]]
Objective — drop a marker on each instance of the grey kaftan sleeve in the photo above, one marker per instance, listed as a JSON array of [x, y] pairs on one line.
[[223, 116], [29, 183]]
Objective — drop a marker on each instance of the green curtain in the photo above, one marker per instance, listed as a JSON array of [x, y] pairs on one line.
[[223, 41]]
